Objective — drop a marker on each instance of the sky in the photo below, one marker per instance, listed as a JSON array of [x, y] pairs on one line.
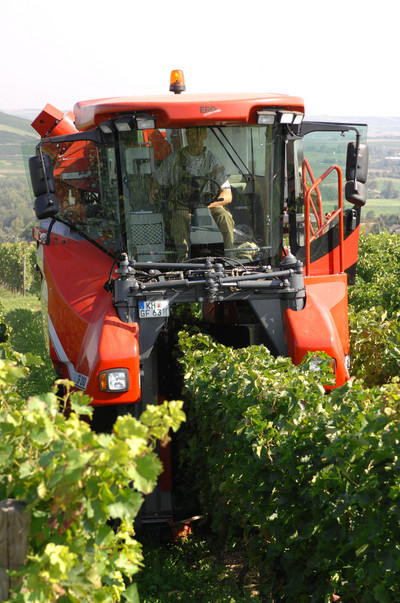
[[341, 57]]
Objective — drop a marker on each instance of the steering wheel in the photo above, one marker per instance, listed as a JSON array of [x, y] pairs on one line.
[[189, 191]]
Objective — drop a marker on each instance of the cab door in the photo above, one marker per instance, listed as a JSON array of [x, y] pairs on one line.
[[320, 174]]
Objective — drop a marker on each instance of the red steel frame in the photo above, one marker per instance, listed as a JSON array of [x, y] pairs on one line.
[[321, 224]]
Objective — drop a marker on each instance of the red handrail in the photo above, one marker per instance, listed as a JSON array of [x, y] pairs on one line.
[[338, 212], [319, 216]]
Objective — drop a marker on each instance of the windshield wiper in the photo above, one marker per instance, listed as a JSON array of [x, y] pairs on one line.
[[248, 174]]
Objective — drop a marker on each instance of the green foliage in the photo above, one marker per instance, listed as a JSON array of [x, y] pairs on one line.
[[375, 346], [188, 570], [18, 267], [375, 310], [26, 336], [378, 274], [82, 489], [4, 331], [307, 482]]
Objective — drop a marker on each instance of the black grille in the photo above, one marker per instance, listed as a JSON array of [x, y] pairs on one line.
[[147, 234]]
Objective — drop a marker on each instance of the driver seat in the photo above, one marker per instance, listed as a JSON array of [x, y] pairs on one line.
[[147, 236]]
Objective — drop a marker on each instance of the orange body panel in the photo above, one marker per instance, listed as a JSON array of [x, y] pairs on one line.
[[86, 334], [186, 109], [53, 122], [110, 343], [329, 263], [322, 325]]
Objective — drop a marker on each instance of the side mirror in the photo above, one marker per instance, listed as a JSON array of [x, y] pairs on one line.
[[46, 206], [41, 172], [356, 173], [44, 186]]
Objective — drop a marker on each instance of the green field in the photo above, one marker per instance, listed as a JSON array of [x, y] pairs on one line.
[[11, 301], [385, 207], [382, 206]]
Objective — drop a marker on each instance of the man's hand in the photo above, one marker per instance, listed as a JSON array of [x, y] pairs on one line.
[[224, 198]]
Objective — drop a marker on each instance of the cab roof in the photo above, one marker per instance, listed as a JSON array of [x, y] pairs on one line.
[[182, 110]]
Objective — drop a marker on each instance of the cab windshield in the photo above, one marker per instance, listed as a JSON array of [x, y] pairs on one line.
[[168, 195]]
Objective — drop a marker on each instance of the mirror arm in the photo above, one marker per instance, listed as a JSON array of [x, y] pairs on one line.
[[358, 138], [43, 167]]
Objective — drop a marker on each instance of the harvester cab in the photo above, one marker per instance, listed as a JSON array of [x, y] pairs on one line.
[[232, 201]]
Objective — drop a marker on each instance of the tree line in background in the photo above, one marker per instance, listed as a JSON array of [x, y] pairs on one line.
[[375, 223], [16, 210]]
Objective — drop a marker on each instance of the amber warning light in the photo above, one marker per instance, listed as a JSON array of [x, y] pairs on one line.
[[177, 82]]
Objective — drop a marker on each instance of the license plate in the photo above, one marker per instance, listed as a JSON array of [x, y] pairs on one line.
[[153, 309]]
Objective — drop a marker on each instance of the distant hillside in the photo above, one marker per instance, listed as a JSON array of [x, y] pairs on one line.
[[12, 126], [28, 114], [17, 143], [378, 127]]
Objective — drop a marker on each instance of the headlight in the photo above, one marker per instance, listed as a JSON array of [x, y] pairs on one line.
[[114, 380]]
